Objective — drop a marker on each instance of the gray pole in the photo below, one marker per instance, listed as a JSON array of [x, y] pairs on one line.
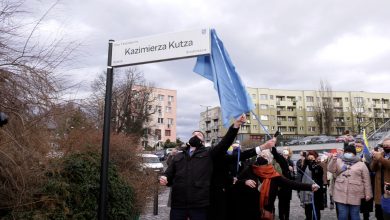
[[102, 210]]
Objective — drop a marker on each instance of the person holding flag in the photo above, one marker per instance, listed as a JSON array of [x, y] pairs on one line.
[[189, 174]]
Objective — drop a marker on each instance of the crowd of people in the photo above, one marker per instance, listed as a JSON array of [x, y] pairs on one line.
[[226, 182]]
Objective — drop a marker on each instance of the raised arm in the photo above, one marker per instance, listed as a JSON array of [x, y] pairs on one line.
[[280, 160], [228, 139]]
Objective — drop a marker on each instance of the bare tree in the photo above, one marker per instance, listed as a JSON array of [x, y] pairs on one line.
[[358, 114], [29, 89], [324, 112], [133, 102]]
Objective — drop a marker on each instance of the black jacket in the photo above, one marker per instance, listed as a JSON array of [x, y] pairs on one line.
[[253, 200], [190, 177]]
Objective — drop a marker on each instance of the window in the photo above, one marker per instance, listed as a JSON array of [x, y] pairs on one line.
[[170, 98], [263, 96], [311, 129], [300, 108], [272, 117], [309, 99], [167, 132], [253, 117], [264, 117], [158, 109], [168, 109], [265, 127], [358, 99], [346, 109], [271, 97], [160, 120], [271, 106], [300, 118], [170, 121], [310, 118], [348, 118], [359, 110], [160, 97], [262, 106], [273, 128], [254, 127], [310, 108], [299, 98], [301, 128], [346, 99]]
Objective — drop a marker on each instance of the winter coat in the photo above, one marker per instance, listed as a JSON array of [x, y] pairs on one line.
[[190, 176], [379, 167], [317, 176], [350, 185]]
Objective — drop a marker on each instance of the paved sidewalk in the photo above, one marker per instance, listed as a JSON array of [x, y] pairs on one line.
[[296, 211]]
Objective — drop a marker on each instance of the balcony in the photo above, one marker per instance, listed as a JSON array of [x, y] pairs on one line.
[[288, 113], [338, 104]]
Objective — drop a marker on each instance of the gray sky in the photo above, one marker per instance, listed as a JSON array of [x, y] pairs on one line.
[[273, 44]]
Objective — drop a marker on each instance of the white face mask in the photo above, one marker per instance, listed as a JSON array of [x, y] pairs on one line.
[[348, 155], [285, 152]]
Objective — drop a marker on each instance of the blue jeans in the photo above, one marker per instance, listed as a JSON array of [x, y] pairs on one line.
[[191, 213], [346, 210]]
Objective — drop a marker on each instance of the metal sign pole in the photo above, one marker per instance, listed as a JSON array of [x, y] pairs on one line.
[[103, 196]]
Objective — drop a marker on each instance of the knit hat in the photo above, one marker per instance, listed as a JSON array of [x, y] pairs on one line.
[[350, 149]]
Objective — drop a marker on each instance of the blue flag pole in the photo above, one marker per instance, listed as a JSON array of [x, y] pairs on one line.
[[261, 124]]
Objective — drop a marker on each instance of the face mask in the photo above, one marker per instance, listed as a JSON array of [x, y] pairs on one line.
[[195, 142], [285, 152], [348, 155], [261, 161], [310, 162]]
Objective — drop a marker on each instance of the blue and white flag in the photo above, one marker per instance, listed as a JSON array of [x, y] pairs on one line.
[[217, 67]]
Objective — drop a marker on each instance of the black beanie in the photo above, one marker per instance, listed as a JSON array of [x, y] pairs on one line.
[[350, 149]]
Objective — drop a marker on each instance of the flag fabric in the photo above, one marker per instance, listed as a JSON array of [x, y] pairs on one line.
[[218, 68], [365, 141]]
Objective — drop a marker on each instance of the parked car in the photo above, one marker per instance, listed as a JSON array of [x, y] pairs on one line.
[[168, 151], [307, 140], [331, 140], [292, 142], [161, 155], [151, 162], [320, 140]]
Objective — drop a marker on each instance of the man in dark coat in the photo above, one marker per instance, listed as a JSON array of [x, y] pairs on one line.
[[224, 176], [190, 173]]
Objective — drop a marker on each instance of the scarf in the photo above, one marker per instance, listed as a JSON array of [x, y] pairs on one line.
[[266, 173], [348, 162]]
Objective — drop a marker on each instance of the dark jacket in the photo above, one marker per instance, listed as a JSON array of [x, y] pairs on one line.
[[190, 177], [284, 192], [317, 176], [276, 182], [222, 192]]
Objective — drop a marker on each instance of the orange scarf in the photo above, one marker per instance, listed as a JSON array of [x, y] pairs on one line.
[[266, 173]]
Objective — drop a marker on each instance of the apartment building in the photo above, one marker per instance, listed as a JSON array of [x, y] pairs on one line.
[[294, 112], [163, 121]]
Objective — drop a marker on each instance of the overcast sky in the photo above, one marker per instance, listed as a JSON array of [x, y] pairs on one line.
[[273, 44]]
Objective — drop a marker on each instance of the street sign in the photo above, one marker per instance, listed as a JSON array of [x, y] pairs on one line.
[[161, 47]]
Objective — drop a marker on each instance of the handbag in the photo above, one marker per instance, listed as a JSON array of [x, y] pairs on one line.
[[266, 215]]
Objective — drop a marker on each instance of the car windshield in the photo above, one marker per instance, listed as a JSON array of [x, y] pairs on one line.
[[150, 160]]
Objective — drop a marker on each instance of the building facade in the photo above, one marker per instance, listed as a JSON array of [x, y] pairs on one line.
[[295, 113], [162, 123]]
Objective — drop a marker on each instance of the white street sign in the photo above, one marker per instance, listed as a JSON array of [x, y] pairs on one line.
[[161, 47]]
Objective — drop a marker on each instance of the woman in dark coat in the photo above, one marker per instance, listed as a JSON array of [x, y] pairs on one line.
[[312, 171], [264, 172]]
